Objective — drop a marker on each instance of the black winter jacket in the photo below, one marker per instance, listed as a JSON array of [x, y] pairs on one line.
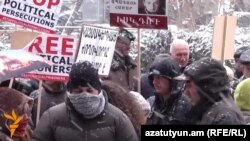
[[221, 112], [169, 112], [63, 123]]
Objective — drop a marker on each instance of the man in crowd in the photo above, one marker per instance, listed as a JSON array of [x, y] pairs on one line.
[[238, 75], [238, 65], [52, 93], [123, 70], [86, 113], [207, 86], [169, 105], [147, 89], [245, 61], [179, 51]]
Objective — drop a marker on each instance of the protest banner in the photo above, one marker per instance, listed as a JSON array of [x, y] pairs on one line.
[[139, 13], [97, 46], [17, 62], [41, 15], [224, 37], [60, 50]]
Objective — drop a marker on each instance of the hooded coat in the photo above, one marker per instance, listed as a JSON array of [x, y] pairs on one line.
[[242, 98], [64, 123], [174, 109], [216, 105], [222, 112]]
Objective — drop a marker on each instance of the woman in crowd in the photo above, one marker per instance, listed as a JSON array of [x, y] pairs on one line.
[[131, 103]]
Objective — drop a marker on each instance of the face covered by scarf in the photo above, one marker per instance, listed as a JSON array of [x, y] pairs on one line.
[[87, 104]]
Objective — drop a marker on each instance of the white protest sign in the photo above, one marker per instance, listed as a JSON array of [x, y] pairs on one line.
[[125, 7], [97, 46], [58, 49], [41, 15]]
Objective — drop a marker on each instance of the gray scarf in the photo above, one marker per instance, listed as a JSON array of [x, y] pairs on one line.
[[87, 104]]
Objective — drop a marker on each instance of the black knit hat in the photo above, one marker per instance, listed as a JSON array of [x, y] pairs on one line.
[[207, 73], [245, 57], [83, 74], [239, 51]]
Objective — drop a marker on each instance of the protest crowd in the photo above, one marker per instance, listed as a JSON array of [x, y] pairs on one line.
[[92, 107], [101, 95]]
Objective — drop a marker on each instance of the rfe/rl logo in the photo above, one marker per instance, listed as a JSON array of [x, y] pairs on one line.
[[15, 121]]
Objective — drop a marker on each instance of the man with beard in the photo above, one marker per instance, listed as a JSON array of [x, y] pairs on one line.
[[86, 113], [208, 88]]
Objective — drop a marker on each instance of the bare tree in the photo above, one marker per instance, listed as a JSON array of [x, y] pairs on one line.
[[189, 14]]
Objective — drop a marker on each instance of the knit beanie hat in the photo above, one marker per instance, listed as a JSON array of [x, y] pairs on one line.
[[83, 74], [242, 95]]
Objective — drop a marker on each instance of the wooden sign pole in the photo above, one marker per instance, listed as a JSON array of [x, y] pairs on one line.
[[39, 101], [224, 37]]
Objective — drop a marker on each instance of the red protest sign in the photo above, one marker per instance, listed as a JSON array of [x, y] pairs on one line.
[[60, 50], [41, 15], [50, 4], [139, 13], [52, 44]]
